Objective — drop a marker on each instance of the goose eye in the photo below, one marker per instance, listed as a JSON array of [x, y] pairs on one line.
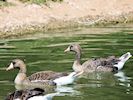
[[71, 47]]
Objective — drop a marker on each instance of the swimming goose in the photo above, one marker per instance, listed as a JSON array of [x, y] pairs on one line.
[[110, 63], [34, 79], [40, 78], [25, 94], [30, 94]]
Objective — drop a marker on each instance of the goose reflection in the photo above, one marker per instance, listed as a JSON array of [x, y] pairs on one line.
[[104, 79], [96, 79], [123, 79], [67, 90]]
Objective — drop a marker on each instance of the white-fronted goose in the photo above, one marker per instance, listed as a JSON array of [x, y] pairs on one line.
[[31, 94], [39, 78], [110, 63], [26, 94], [21, 77]]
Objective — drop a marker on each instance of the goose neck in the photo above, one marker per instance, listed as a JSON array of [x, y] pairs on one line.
[[20, 78], [22, 69], [77, 58]]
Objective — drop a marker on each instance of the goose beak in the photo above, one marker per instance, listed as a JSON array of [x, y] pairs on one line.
[[68, 49], [10, 67]]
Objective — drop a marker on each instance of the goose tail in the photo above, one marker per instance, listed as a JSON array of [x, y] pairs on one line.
[[122, 60], [125, 56]]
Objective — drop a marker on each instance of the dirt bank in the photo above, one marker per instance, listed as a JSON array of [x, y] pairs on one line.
[[27, 18]]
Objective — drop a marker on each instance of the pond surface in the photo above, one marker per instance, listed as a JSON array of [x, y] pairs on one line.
[[45, 51]]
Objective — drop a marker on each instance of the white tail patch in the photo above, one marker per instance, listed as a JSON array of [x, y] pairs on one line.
[[17, 99], [66, 79], [125, 56], [122, 61]]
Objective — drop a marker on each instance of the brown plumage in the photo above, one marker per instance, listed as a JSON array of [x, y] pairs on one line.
[[25, 94], [46, 75], [108, 64], [100, 64], [39, 78]]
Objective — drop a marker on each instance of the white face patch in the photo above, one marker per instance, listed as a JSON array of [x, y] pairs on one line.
[[10, 67]]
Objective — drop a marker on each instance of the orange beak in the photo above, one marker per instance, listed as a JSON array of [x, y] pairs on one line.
[[68, 49]]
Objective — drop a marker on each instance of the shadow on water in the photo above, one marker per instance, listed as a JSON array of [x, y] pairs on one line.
[[46, 52]]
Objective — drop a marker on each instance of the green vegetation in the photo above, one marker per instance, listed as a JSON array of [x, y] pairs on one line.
[[2, 4]]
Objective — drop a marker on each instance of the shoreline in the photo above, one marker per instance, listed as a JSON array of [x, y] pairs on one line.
[[23, 19]]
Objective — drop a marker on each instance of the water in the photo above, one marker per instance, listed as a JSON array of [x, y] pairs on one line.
[[46, 52]]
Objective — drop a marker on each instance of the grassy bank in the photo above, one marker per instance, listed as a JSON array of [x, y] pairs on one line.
[[61, 25], [28, 18]]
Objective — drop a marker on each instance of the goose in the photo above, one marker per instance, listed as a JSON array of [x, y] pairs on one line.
[[22, 79], [30, 94], [47, 78], [25, 94], [109, 64]]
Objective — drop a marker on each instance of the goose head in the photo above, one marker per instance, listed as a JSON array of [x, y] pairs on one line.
[[73, 48], [77, 49], [17, 64]]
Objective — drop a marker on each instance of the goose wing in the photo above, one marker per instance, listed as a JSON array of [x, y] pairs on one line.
[[100, 64], [90, 65], [46, 75], [109, 62]]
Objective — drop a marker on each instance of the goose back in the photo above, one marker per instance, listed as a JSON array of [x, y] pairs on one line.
[[46, 75], [100, 64], [24, 94]]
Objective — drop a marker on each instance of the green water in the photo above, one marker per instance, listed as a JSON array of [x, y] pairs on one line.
[[45, 51]]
